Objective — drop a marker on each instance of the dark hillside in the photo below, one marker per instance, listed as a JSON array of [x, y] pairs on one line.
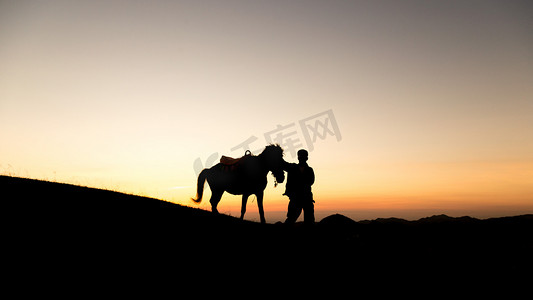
[[54, 216], [85, 227], [72, 210]]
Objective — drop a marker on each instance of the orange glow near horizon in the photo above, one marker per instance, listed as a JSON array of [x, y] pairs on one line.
[[481, 189]]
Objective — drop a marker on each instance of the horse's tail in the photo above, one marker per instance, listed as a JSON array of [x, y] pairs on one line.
[[200, 189]]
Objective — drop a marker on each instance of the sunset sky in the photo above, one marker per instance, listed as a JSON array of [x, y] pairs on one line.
[[433, 100]]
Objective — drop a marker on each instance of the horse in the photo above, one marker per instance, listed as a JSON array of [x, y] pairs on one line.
[[244, 176]]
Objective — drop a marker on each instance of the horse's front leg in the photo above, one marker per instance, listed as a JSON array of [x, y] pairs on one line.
[[260, 206], [243, 207]]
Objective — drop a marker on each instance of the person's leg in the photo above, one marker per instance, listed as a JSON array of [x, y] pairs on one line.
[[309, 212], [293, 212]]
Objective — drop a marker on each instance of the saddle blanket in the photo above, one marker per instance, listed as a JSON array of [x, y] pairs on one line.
[[228, 161]]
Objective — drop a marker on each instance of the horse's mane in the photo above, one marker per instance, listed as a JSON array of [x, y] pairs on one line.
[[273, 148]]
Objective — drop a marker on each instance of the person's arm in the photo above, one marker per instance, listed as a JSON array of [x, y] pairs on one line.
[[287, 166]]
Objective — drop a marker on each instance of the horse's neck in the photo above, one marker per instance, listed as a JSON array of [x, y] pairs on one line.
[[263, 163]]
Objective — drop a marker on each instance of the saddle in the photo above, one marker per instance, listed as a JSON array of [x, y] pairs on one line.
[[230, 161]]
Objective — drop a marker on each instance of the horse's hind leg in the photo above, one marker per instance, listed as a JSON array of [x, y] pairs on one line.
[[243, 207], [215, 198]]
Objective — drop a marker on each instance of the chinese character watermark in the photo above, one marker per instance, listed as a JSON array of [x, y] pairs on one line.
[[324, 123], [289, 137]]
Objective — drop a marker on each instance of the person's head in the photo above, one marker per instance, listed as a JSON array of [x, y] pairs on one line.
[[302, 155]]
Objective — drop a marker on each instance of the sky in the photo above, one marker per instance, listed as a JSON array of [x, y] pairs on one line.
[[411, 108]]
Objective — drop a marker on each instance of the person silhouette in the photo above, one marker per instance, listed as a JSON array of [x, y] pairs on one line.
[[300, 177]]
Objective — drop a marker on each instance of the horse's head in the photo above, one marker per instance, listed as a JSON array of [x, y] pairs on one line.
[[273, 155], [279, 175]]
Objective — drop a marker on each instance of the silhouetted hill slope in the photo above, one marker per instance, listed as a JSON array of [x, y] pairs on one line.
[[91, 226], [69, 208], [33, 194], [337, 220]]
